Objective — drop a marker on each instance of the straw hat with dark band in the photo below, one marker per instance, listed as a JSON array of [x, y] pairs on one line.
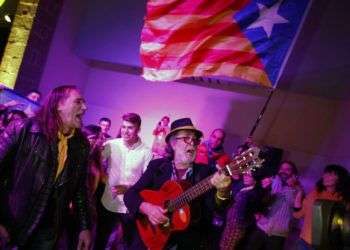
[[182, 124]]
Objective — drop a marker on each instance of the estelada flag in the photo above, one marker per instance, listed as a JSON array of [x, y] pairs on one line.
[[248, 39]]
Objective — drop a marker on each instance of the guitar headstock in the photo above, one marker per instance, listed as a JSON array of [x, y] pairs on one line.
[[247, 161]]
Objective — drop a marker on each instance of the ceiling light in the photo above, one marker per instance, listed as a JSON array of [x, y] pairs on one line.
[[7, 18]]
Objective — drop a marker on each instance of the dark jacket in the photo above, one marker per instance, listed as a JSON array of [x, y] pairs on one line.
[[158, 172], [28, 164]]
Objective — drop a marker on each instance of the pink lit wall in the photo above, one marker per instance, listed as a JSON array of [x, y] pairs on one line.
[[311, 130], [111, 94]]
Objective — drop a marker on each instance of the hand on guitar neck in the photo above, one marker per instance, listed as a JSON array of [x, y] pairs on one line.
[[222, 184]]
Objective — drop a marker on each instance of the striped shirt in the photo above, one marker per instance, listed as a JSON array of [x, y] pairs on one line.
[[280, 211]]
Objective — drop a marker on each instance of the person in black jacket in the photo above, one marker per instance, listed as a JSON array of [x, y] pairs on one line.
[[182, 140], [43, 166]]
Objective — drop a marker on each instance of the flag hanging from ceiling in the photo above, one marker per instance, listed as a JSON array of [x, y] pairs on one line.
[[248, 39]]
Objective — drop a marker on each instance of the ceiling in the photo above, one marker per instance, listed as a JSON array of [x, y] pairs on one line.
[[320, 61]]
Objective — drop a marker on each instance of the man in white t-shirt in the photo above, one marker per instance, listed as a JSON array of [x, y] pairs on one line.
[[127, 158]]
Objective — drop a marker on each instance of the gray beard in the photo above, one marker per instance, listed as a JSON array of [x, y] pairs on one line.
[[185, 160]]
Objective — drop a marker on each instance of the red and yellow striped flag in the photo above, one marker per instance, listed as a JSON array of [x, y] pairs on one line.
[[184, 38]]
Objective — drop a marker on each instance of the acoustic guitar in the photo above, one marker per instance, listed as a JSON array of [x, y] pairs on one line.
[[175, 197]]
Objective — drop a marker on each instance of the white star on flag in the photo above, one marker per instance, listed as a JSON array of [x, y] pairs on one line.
[[268, 17]]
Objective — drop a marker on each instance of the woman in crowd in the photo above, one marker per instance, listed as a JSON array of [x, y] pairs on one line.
[[96, 174], [159, 144], [333, 186]]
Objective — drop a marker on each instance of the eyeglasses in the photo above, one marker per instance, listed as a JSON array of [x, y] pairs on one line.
[[189, 140]]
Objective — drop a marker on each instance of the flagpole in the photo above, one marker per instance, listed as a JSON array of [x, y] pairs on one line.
[[261, 113]]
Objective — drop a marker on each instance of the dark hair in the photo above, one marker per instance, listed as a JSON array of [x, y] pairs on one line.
[[244, 147], [292, 164], [48, 115], [165, 117], [259, 174], [342, 186], [94, 158], [133, 118], [91, 130], [105, 119]]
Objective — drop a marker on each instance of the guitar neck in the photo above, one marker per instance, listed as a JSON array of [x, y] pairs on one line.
[[246, 161], [190, 194]]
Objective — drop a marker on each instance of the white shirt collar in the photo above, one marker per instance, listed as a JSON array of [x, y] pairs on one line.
[[134, 146]]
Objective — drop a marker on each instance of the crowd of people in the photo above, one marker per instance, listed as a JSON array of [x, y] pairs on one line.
[[11, 109], [65, 186]]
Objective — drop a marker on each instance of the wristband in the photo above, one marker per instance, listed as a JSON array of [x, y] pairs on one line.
[[222, 197]]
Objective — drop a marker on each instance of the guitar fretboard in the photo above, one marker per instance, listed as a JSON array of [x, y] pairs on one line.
[[190, 194], [247, 161]]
